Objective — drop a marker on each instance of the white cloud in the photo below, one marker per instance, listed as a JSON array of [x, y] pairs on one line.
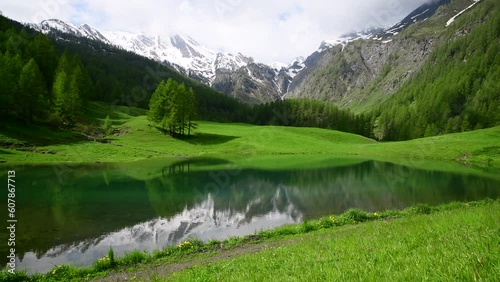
[[265, 29]]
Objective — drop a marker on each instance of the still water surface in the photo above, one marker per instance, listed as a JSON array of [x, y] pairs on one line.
[[74, 214]]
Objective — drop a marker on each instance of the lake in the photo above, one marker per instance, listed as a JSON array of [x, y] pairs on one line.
[[73, 214]]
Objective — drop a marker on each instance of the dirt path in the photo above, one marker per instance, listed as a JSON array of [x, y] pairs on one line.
[[164, 270]]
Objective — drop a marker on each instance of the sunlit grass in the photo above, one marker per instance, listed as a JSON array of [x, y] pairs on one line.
[[451, 245], [135, 139]]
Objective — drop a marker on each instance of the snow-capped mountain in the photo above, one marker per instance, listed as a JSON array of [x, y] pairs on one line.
[[236, 75], [80, 31], [420, 14], [346, 72], [230, 62], [452, 19], [295, 66], [182, 52]]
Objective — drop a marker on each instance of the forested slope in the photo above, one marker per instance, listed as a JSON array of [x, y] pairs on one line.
[[458, 87]]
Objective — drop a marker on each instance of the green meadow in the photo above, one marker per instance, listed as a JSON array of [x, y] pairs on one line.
[[132, 138]]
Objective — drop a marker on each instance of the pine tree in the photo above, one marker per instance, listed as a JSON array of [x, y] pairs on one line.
[[74, 102], [10, 68], [69, 87], [31, 102], [60, 94], [179, 109], [65, 63], [44, 53], [85, 84]]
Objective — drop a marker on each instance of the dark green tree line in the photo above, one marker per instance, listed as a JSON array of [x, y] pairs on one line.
[[311, 113]]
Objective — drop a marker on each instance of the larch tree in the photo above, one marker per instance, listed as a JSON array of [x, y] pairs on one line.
[[174, 107]]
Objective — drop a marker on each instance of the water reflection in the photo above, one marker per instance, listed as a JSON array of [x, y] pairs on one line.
[[76, 220]]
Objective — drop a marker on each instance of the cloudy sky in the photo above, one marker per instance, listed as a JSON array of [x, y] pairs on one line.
[[268, 30]]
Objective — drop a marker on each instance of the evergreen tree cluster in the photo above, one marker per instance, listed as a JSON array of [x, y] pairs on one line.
[[173, 106], [36, 84]]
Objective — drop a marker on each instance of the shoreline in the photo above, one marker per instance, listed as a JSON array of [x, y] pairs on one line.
[[194, 250]]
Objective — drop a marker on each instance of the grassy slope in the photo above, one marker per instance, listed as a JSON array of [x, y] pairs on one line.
[[457, 245], [247, 144]]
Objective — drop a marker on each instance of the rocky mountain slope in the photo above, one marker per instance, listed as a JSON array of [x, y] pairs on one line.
[[365, 72]]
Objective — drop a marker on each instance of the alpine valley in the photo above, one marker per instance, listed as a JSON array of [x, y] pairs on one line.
[[114, 145]]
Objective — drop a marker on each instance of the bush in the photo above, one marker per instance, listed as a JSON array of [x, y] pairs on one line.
[[356, 215], [20, 276], [111, 257], [61, 271], [102, 264], [327, 222], [422, 209], [134, 257], [307, 226]]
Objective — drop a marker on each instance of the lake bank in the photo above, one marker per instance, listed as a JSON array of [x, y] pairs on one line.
[[454, 241]]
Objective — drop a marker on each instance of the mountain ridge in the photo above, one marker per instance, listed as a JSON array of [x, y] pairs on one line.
[[238, 75]]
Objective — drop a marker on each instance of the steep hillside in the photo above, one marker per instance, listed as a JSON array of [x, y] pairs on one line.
[[457, 89], [365, 73]]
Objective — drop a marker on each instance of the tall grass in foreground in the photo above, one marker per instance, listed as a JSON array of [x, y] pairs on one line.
[[459, 243], [447, 242]]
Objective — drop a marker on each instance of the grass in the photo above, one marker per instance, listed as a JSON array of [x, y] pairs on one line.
[[450, 245], [135, 140], [453, 242]]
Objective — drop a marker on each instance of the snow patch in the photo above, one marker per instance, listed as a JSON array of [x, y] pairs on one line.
[[416, 16], [295, 66], [450, 21]]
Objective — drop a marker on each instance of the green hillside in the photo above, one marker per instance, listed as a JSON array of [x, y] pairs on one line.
[[457, 89], [430, 79]]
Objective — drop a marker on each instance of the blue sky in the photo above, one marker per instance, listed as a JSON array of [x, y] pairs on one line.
[[267, 30]]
